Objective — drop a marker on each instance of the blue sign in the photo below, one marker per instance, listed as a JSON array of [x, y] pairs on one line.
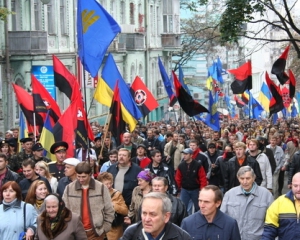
[[45, 75]]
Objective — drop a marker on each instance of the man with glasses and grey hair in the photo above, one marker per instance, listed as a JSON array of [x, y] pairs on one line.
[[247, 204], [155, 224]]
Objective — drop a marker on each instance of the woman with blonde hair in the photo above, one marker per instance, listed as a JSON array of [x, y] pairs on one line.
[[42, 169], [36, 195]]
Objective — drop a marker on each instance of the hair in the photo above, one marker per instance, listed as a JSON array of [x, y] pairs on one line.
[[2, 155], [166, 202], [51, 197], [113, 152], [28, 162], [15, 187], [240, 145], [169, 134], [44, 166], [245, 169], [182, 135], [31, 196], [254, 141], [216, 190], [154, 152], [125, 150], [194, 141], [83, 167], [105, 176], [162, 179]]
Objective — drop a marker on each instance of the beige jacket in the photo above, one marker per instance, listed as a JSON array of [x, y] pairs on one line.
[[177, 154], [100, 206]]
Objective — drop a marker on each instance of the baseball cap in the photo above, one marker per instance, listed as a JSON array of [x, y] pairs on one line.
[[188, 151]]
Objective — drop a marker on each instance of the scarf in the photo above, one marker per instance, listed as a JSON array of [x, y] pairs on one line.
[[10, 204], [252, 189], [38, 203]]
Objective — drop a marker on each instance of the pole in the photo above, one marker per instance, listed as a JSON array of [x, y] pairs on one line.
[[199, 130], [108, 119]]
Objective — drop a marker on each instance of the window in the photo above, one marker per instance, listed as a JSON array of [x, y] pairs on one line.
[[167, 16], [63, 18], [50, 17], [14, 16], [112, 8], [122, 15], [131, 6], [37, 15]]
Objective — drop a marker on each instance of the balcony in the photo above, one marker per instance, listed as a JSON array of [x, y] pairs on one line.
[[27, 42], [170, 40], [115, 46], [132, 41]]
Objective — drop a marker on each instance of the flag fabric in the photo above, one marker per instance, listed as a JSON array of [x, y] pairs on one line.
[[256, 108], [181, 80], [187, 103], [47, 138], [294, 112], [213, 72], [117, 125], [239, 101], [104, 93], [63, 79], [278, 67], [285, 93], [276, 102], [245, 97], [219, 70], [167, 83], [243, 78], [96, 29], [22, 129], [264, 96], [142, 96], [209, 84], [230, 107], [212, 119], [292, 84], [25, 101], [43, 101], [275, 118], [217, 89], [64, 129]]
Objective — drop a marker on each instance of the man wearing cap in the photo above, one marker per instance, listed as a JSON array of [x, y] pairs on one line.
[[25, 153], [38, 152], [70, 175], [141, 159], [190, 178], [59, 149], [172, 151]]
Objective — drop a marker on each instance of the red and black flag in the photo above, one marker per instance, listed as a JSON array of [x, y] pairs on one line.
[[276, 102], [63, 79], [142, 96], [43, 101], [217, 88], [278, 67], [292, 84], [64, 129], [188, 104], [239, 102], [243, 78], [117, 125], [25, 101]]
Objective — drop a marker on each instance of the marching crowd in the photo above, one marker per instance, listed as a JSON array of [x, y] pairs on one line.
[[165, 181]]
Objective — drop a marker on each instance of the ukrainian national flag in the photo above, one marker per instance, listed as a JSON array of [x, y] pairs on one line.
[[23, 133], [104, 93], [47, 138], [264, 97]]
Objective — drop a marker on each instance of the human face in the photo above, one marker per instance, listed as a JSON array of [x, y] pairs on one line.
[[212, 150], [228, 149], [296, 186], [123, 158], [108, 184], [3, 164], [175, 137], [153, 219], [252, 146], [107, 141], [239, 152], [149, 134], [52, 208], [216, 136], [60, 156], [246, 180], [27, 146], [187, 157], [38, 154], [181, 140], [5, 149], [69, 170], [193, 146], [15, 133], [113, 158], [143, 184], [98, 143], [158, 186], [9, 194], [126, 138], [40, 171], [207, 204], [140, 151], [84, 179], [157, 158], [273, 142], [29, 172], [41, 192]]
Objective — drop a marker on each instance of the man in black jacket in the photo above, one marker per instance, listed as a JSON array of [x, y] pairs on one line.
[[5, 173], [234, 164], [155, 224]]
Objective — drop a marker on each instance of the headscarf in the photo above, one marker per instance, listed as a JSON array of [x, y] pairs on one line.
[[146, 175]]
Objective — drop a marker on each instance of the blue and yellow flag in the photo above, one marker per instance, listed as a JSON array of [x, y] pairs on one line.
[[47, 138], [181, 80], [212, 118], [104, 93], [96, 29], [23, 132], [256, 108], [264, 97]]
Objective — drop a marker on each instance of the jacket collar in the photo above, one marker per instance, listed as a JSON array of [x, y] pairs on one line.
[[218, 221], [290, 195], [91, 184], [16, 205]]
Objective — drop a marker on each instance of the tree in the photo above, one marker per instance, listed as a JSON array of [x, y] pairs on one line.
[[4, 12]]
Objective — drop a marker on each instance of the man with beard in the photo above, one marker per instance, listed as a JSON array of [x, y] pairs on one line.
[[282, 218], [172, 151], [264, 164]]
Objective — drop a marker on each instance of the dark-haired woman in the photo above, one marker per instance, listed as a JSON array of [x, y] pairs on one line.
[[58, 222]]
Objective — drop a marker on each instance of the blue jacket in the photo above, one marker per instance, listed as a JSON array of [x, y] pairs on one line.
[[282, 220], [223, 227]]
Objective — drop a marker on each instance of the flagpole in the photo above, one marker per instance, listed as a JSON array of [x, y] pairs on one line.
[[34, 127], [107, 122], [201, 137]]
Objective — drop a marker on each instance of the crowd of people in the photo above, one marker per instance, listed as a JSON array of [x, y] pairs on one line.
[[166, 180]]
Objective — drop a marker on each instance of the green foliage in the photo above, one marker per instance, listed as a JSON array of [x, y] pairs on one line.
[[4, 12]]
